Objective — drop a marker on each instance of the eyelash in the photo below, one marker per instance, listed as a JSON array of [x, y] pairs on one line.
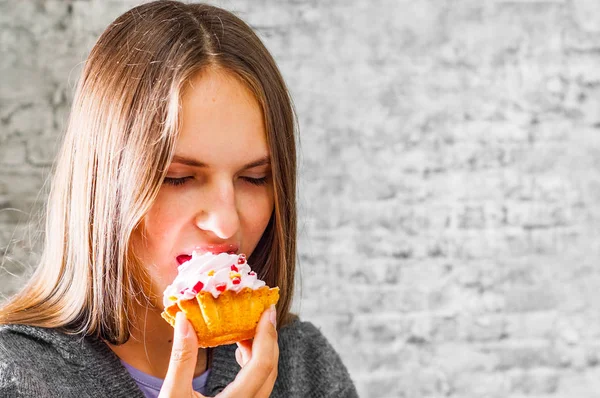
[[256, 181], [176, 181], [180, 181]]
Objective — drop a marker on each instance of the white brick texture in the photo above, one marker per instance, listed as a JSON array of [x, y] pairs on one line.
[[449, 179]]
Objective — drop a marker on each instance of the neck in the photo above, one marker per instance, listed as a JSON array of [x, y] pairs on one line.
[[149, 347]]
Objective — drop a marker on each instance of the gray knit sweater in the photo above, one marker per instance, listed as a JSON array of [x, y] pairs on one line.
[[37, 362]]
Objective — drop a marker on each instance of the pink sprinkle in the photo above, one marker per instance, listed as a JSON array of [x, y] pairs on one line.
[[221, 287], [197, 287]]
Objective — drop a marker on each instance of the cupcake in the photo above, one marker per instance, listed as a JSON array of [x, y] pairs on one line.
[[221, 297]]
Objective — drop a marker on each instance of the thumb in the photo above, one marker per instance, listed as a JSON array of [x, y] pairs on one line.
[[184, 355]]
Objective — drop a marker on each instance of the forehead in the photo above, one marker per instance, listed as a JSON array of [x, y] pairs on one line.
[[220, 118]]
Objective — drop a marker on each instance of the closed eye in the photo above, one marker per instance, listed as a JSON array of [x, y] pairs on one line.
[[255, 181], [176, 181]]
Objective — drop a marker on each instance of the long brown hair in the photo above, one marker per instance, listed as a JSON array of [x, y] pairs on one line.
[[119, 142]]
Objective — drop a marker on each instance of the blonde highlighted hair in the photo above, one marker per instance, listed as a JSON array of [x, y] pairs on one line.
[[117, 147]]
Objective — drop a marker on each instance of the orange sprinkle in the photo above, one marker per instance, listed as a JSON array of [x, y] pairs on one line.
[[211, 272], [233, 274]]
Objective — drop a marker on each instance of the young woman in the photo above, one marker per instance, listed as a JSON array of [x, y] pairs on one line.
[[181, 139]]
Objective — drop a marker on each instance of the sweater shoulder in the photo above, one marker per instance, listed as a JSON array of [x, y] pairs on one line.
[[308, 366], [309, 361], [29, 345], [16, 346], [42, 362], [21, 358], [304, 335], [24, 352]]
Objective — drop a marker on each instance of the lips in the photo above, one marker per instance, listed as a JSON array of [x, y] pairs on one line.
[[183, 258]]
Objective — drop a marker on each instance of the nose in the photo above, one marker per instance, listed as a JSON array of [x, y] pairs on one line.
[[218, 213]]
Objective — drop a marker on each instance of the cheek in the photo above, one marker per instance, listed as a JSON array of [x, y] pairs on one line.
[[156, 225], [257, 212], [162, 218], [154, 244], [160, 232]]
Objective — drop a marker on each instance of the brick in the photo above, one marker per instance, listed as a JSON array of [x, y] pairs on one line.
[[407, 383], [16, 267], [11, 284], [479, 384], [580, 40], [444, 328], [579, 383], [587, 14], [479, 157], [268, 16], [385, 328], [93, 17], [19, 38], [589, 109], [544, 188], [375, 358], [467, 244], [381, 386], [24, 183], [535, 298], [23, 236], [19, 253], [12, 153], [592, 355], [573, 357], [472, 186], [534, 381], [581, 68], [479, 215], [361, 299], [381, 270], [26, 119], [532, 325], [41, 151], [488, 132], [19, 212], [482, 328], [524, 355], [460, 358], [534, 215], [451, 300]]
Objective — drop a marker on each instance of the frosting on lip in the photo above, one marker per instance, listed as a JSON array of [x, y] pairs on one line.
[[212, 273], [215, 248]]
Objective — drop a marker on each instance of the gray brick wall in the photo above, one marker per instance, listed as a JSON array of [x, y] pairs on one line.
[[450, 179]]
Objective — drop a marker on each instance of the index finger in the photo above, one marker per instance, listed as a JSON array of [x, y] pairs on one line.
[[265, 355], [184, 354]]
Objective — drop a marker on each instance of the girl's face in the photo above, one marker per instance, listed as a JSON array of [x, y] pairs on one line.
[[218, 193]]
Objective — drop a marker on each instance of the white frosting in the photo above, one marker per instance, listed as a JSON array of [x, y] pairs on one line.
[[214, 271]]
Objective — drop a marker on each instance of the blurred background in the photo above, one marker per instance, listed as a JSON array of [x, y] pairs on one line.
[[449, 179]]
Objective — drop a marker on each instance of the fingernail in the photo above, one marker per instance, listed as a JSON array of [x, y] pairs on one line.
[[181, 325], [273, 316]]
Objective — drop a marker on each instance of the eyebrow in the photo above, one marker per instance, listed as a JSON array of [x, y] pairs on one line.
[[195, 163]]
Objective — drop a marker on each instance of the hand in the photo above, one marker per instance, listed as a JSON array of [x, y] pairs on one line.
[[258, 358]]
